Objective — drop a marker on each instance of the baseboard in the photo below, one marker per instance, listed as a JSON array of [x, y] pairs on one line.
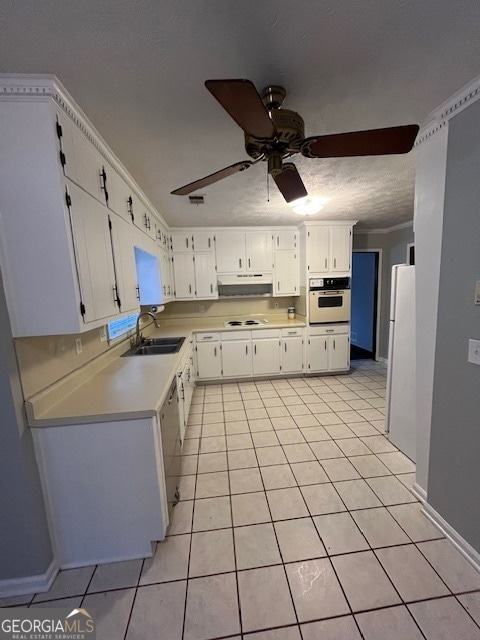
[[419, 493], [382, 359], [467, 551], [29, 584]]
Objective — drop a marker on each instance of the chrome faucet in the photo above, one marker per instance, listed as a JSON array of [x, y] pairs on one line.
[[138, 335]]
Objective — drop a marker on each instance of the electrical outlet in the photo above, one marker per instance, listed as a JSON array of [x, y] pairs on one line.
[[474, 351], [102, 332], [201, 308], [61, 346], [78, 346], [275, 305]]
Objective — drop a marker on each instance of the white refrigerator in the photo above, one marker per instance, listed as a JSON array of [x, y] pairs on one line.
[[400, 408]]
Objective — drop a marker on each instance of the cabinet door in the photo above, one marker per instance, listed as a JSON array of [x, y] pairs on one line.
[[182, 241], [285, 241], [237, 358], [317, 353], [93, 251], [118, 194], [341, 250], [231, 252], [125, 268], [66, 148], [166, 274], [203, 241], [285, 281], [339, 352], [318, 248], [89, 164], [266, 356], [209, 361], [205, 276], [292, 355], [259, 251], [183, 275]]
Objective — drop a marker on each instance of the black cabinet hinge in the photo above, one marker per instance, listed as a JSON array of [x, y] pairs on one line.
[[63, 160], [109, 223], [82, 309], [68, 199], [59, 130], [130, 208]]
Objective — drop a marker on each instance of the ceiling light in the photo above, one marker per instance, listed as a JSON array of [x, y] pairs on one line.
[[309, 205]]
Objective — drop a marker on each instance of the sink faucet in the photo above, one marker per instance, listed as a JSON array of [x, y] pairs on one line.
[[138, 335]]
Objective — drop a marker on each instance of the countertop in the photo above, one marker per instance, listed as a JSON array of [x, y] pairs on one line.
[[131, 387]]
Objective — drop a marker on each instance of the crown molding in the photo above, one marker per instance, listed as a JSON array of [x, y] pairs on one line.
[[440, 117], [37, 87], [397, 227]]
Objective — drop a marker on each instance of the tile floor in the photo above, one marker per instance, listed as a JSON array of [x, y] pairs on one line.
[[296, 522]]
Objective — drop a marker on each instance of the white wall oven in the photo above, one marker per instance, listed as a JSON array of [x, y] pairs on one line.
[[329, 300]]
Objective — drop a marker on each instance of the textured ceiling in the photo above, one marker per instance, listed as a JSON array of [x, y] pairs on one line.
[[137, 68]]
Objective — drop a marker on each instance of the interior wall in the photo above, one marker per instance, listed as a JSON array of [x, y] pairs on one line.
[[228, 308], [454, 469], [25, 548], [394, 251]]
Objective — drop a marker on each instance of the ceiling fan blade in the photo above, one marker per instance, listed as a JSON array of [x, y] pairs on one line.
[[213, 177], [290, 183], [241, 101], [375, 142]]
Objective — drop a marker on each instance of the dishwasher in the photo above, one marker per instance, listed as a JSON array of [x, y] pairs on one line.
[[170, 429]]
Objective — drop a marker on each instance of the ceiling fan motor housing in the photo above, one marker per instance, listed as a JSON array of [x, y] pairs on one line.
[[291, 133]]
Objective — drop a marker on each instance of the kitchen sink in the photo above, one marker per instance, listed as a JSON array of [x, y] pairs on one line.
[[156, 346]]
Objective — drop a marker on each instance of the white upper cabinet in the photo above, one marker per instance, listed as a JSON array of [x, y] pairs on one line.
[[203, 241], [90, 166], [205, 276], [286, 276], [125, 268], [166, 273], [318, 248], [259, 251], [329, 249], [184, 276], [230, 252], [285, 240], [341, 249], [182, 241]]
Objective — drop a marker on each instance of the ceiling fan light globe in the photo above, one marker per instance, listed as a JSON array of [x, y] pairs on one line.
[[308, 206]]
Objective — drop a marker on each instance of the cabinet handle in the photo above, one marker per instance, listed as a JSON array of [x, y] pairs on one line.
[[334, 344], [330, 330], [189, 288], [277, 241], [130, 207], [334, 263], [207, 337], [291, 333], [116, 297], [246, 349], [240, 263], [209, 243], [186, 242], [255, 349], [278, 285], [249, 263], [148, 220], [211, 288], [325, 345], [325, 263], [164, 290], [215, 352], [285, 347], [138, 292]]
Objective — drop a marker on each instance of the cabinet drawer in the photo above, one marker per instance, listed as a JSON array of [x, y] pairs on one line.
[[329, 329], [263, 334], [292, 332], [235, 335], [207, 337]]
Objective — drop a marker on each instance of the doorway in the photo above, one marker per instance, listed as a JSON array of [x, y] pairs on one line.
[[364, 312]]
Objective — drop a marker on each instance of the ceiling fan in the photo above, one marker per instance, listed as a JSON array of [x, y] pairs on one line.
[[274, 134]]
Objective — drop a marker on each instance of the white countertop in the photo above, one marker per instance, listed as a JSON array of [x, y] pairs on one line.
[[131, 387]]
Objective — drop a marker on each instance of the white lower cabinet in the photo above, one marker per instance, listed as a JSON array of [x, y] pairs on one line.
[[209, 360], [186, 384], [328, 348], [292, 350], [236, 354], [106, 490], [266, 352]]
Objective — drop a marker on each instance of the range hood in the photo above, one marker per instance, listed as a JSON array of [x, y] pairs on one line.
[[245, 278], [242, 285]]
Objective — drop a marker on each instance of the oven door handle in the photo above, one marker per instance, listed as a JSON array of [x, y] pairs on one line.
[[330, 293]]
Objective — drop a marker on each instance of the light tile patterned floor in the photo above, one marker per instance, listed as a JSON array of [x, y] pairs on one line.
[[296, 523]]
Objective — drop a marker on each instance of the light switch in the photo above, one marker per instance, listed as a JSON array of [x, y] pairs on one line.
[[78, 346], [477, 292], [474, 351]]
